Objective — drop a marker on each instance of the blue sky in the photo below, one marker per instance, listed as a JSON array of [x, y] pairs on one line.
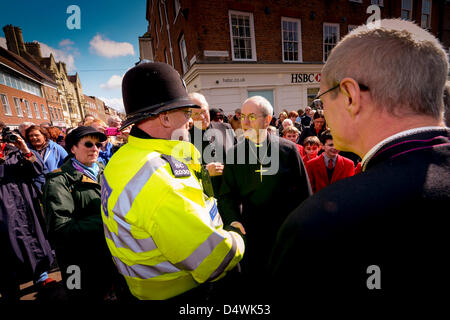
[[101, 51]]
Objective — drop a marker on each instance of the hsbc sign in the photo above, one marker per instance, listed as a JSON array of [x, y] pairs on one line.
[[305, 77]]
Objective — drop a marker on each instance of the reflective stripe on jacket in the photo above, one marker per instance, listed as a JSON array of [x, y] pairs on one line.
[[164, 234]]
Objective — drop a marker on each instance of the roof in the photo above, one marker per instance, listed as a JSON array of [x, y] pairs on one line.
[[25, 67]]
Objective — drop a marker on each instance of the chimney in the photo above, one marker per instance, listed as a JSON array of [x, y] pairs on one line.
[[14, 40], [34, 48]]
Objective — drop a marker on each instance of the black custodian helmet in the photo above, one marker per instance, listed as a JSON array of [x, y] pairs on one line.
[[150, 88]]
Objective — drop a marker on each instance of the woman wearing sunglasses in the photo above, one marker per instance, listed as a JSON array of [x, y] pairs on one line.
[[72, 200]]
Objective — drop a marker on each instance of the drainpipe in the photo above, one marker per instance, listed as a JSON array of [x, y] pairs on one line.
[[168, 32]]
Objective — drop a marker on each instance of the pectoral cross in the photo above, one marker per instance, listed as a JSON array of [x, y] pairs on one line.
[[261, 171]]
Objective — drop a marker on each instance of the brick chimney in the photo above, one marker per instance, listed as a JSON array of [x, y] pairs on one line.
[[34, 48], [14, 39]]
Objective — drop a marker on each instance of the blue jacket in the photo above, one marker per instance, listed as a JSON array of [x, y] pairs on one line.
[[104, 156], [53, 157]]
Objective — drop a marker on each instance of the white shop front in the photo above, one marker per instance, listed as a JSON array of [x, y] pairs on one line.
[[227, 86]]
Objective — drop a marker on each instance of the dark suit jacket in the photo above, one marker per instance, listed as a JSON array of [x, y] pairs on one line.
[[213, 145], [394, 215], [265, 202]]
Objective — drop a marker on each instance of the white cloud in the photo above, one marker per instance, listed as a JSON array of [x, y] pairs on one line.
[[66, 42], [3, 43], [110, 49], [115, 82], [60, 55], [115, 103]]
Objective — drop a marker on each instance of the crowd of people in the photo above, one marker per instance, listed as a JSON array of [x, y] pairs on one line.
[[182, 202]]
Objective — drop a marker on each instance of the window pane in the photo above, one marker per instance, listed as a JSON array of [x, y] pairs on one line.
[[426, 5], [406, 4]]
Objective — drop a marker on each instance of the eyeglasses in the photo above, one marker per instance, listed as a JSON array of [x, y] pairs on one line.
[[250, 117], [187, 113], [89, 144], [361, 87], [196, 114]]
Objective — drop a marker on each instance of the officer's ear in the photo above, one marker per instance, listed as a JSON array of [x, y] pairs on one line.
[[164, 119]]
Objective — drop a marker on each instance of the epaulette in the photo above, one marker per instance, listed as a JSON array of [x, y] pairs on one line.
[[179, 169]]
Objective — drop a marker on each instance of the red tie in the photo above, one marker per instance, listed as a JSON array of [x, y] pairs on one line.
[[330, 164]]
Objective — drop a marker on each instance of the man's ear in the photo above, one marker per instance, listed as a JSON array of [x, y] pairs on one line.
[[164, 119], [350, 88], [267, 120]]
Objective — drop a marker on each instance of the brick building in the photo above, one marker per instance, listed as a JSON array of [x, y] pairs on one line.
[[26, 93], [68, 87], [96, 107], [230, 50]]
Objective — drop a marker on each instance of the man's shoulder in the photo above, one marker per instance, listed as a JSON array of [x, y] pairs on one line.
[[347, 161], [221, 125]]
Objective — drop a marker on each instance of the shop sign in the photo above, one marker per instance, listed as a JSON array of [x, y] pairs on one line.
[[305, 77]]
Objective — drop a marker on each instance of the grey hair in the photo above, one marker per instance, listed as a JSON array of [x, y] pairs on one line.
[[113, 118], [200, 98], [404, 66], [25, 124], [263, 103]]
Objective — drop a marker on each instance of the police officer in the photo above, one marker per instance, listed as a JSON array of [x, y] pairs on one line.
[[165, 234]]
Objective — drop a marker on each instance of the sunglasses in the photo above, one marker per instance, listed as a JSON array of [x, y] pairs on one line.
[[89, 144]]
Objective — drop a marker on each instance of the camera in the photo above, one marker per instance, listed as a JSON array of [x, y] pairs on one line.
[[8, 136], [112, 132]]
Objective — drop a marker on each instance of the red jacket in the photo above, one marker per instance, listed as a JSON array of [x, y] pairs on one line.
[[317, 171], [300, 149]]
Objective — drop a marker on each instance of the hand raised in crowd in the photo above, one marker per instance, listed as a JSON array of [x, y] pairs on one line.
[[20, 144], [215, 168]]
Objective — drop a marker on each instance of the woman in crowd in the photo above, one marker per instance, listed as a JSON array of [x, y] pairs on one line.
[[279, 123], [51, 153], [25, 252], [72, 200], [56, 135], [319, 125]]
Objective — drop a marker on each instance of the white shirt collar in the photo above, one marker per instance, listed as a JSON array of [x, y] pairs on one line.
[[401, 134]]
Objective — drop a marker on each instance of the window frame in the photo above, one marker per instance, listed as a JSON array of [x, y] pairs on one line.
[[379, 3], [6, 105], [184, 59], [28, 108], [325, 24], [428, 14], [252, 34], [410, 10], [44, 112], [18, 107], [299, 39], [36, 110]]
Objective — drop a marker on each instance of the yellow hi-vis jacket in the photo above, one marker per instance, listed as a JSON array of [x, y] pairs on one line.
[[165, 235]]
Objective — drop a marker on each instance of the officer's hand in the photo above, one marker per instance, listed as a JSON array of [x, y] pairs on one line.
[[215, 169], [238, 225]]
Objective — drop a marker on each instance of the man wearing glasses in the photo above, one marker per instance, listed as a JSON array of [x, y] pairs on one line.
[[263, 181], [381, 233], [164, 232], [212, 138]]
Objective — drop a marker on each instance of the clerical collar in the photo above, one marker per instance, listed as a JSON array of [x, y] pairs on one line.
[[372, 152]]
